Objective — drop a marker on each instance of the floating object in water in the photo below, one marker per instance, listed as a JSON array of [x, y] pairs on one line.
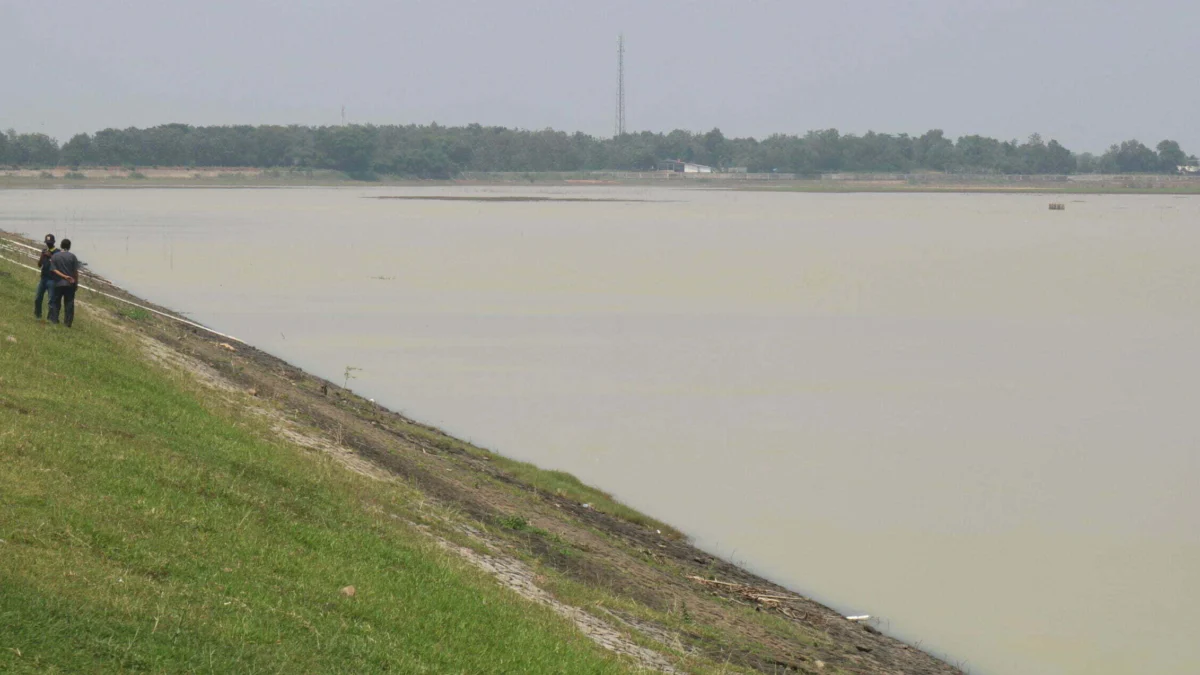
[[860, 617], [1057, 207]]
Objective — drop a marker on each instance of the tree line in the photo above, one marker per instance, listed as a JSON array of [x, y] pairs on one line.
[[434, 151]]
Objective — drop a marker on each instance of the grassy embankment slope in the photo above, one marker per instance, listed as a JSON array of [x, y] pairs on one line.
[[172, 503], [146, 526]]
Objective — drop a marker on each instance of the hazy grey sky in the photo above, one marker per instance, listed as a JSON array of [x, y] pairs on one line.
[[1087, 73]]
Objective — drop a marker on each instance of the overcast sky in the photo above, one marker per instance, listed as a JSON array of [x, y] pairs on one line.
[[1088, 73]]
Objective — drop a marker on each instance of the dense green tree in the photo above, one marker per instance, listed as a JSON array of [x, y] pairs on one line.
[[434, 151], [1034, 155], [716, 149], [1170, 156], [1129, 157], [161, 145], [980, 154], [77, 151], [827, 149], [112, 147], [32, 149], [1059, 159], [349, 148], [933, 150]]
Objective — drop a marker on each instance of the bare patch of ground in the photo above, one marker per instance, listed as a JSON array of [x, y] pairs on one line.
[[164, 355], [518, 577]]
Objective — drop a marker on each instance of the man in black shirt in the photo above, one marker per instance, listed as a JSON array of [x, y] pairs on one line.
[[46, 281], [65, 267]]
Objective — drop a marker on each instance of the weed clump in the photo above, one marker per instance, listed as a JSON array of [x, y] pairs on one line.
[[514, 522]]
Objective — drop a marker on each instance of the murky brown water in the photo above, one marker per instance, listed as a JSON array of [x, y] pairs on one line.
[[965, 413]]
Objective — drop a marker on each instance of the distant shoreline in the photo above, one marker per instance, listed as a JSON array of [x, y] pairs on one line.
[[62, 178]]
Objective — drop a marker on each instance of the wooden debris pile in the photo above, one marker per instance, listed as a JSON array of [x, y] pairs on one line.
[[760, 597]]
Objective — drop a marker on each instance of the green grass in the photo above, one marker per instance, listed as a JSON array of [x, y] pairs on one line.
[[565, 485], [549, 481], [148, 526], [135, 313], [518, 524]]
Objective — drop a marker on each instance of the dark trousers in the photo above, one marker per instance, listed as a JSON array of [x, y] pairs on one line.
[[45, 287], [63, 296]]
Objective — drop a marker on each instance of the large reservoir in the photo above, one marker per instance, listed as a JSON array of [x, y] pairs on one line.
[[969, 415]]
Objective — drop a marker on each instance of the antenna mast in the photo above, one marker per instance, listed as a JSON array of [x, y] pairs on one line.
[[619, 127]]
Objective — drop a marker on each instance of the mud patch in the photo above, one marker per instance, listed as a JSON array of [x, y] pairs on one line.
[[164, 355]]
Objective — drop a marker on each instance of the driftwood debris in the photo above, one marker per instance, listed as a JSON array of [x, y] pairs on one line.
[[766, 599], [760, 596]]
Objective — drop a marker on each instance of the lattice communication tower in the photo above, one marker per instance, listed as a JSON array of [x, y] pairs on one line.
[[619, 125]]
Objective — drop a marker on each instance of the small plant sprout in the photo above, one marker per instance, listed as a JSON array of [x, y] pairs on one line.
[[349, 375]]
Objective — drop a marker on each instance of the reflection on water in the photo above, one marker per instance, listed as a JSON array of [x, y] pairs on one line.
[[965, 413]]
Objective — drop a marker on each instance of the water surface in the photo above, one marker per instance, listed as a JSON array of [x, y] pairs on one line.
[[965, 413]]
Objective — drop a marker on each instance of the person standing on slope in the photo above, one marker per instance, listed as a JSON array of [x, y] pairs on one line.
[[65, 267], [46, 282]]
